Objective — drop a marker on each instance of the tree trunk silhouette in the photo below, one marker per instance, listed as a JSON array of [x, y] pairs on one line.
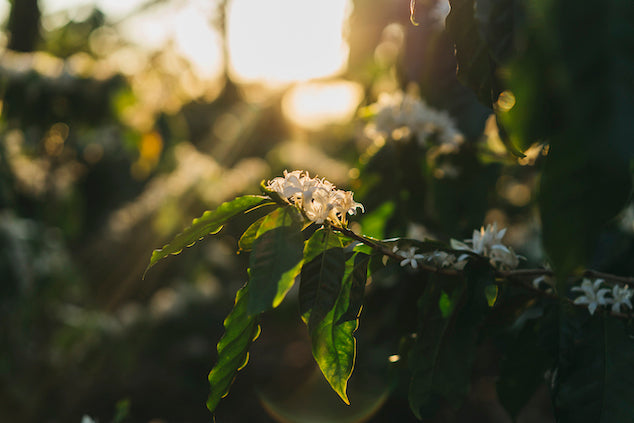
[[24, 25]]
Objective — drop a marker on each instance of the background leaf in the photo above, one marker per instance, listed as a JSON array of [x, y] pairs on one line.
[[575, 90], [241, 329], [441, 358], [475, 69], [523, 367], [594, 378], [209, 223]]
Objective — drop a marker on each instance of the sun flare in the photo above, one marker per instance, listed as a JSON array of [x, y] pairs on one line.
[[283, 41]]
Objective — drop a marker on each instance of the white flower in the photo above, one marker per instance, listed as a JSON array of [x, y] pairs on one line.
[[487, 242], [409, 257], [441, 258], [317, 198], [593, 296], [542, 280], [398, 115], [620, 296], [484, 240], [461, 262], [503, 257]]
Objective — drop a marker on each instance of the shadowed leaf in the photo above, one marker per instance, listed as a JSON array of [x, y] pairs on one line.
[[274, 263], [321, 275], [333, 344], [358, 278], [241, 330], [443, 353], [594, 378]]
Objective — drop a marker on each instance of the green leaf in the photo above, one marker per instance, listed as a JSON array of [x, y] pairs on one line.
[[523, 367], [358, 279], [333, 343], [323, 239], [580, 191], [274, 263], [594, 378], [441, 358], [575, 90], [245, 243], [241, 329], [475, 68], [209, 223], [282, 216], [496, 21], [320, 278]]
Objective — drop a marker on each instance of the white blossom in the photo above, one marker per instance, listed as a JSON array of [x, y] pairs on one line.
[[543, 280], [620, 296], [441, 258], [317, 198], [593, 295], [410, 257], [398, 115], [487, 242], [504, 257]]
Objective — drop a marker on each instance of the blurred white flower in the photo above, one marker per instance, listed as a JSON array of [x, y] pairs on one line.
[[543, 280], [593, 295], [317, 198], [487, 242], [504, 257], [398, 115], [441, 258], [620, 296], [410, 257]]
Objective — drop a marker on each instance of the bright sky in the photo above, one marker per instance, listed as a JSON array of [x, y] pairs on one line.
[[274, 41], [287, 40]]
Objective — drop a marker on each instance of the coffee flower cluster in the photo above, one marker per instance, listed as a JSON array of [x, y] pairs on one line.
[[487, 242], [593, 296], [399, 115], [319, 200]]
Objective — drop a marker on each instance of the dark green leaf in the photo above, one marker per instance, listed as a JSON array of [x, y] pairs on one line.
[[594, 377], [592, 186], [496, 21], [443, 353], [523, 367], [241, 329], [209, 223], [333, 343], [275, 261], [320, 280], [575, 89], [358, 278], [475, 68]]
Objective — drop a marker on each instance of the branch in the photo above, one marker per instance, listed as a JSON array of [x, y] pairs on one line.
[[386, 251], [517, 277]]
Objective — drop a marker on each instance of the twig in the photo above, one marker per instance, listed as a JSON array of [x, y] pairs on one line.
[[386, 251], [516, 277]]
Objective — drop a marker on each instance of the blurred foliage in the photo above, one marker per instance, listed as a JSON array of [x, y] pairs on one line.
[[107, 150]]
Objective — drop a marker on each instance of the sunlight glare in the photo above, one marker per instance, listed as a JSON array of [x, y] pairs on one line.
[[283, 41], [313, 105]]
